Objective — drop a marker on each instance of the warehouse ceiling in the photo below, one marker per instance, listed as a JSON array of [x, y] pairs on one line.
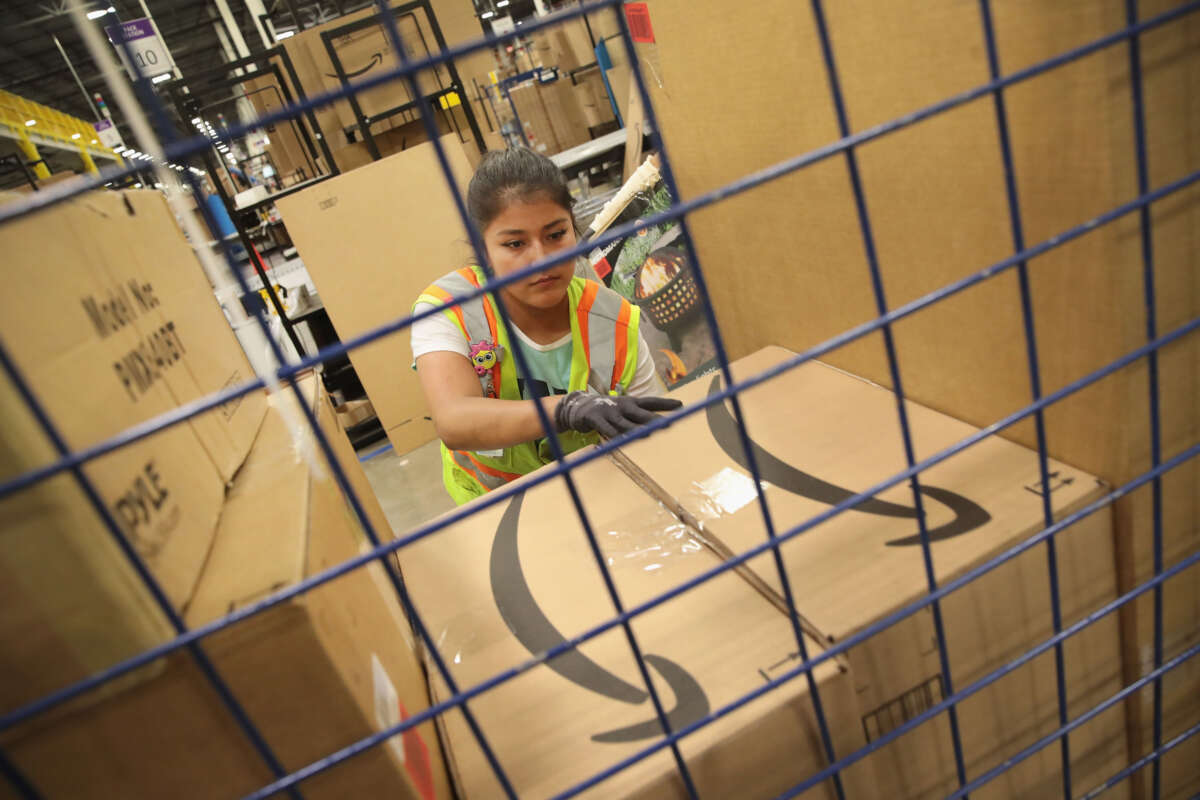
[[32, 66]]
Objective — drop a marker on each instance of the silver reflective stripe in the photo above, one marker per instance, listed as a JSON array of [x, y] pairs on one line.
[[473, 314], [602, 333], [489, 482]]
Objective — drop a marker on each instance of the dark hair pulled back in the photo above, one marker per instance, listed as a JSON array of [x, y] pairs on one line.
[[514, 174]]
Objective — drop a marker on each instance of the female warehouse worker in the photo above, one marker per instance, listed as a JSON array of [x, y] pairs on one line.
[[589, 367]]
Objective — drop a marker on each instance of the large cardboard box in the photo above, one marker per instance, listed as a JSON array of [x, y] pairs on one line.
[[403, 240], [111, 322], [939, 211], [824, 435], [315, 674], [516, 579]]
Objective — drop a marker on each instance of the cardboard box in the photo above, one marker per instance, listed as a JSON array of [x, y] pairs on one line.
[[374, 208], [524, 577], [1179, 769], [527, 100], [939, 211], [825, 435], [112, 323], [356, 411], [315, 674]]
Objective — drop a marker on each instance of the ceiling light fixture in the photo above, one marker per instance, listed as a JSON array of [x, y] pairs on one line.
[[74, 135], [166, 76], [487, 15], [100, 12], [29, 123], [281, 35]]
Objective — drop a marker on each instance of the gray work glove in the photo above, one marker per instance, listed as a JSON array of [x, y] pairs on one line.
[[608, 416]]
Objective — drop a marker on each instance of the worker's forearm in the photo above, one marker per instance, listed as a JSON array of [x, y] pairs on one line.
[[481, 423]]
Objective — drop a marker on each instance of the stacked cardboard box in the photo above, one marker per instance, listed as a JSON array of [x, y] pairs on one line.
[[111, 323], [528, 580], [315, 674], [122, 328]]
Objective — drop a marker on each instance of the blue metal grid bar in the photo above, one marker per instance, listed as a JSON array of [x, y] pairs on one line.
[[1154, 474], [139, 566], [833, 652], [1082, 719], [553, 471], [889, 346], [1147, 237], [480, 252], [1155, 757], [676, 212], [1035, 379], [722, 355], [848, 642], [197, 144], [17, 780], [165, 130], [188, 410]]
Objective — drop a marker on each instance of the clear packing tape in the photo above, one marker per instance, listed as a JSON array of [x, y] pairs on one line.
[[720, 495]]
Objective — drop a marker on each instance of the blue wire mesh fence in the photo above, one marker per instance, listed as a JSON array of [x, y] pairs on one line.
[[192, 641]]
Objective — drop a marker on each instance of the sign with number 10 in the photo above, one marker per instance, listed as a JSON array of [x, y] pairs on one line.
[[138, 43]]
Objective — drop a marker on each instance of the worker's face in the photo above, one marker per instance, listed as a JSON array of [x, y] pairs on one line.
[[527, 231]]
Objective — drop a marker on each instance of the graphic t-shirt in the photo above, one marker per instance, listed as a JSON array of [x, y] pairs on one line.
[[549, 364]]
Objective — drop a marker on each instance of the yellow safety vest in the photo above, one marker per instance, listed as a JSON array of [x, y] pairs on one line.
[[604, 337]]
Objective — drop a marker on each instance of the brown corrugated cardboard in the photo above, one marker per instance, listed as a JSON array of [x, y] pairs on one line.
[[937, 198], [1180, 771], [112, 323], [315, 674], [825, 435], [524, 578], [403, 242]]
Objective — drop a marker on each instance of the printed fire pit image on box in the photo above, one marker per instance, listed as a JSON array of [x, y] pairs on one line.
[[652, 268]]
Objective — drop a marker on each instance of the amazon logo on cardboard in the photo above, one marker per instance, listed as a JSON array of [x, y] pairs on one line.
[[534, 630]]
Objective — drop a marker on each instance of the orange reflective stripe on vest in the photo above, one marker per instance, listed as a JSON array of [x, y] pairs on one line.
[[620, 345], [441, 294], [488, 477]]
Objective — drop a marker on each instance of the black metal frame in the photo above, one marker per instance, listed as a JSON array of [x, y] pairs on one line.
[[185, 94], [18, 164], [363, 122]]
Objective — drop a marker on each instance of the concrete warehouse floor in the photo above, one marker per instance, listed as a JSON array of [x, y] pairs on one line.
[[409, 485]]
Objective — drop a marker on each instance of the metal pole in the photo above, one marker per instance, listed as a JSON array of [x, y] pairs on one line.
[[75, 74], [262, 23]]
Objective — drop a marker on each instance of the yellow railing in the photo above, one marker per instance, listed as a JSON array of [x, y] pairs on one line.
[[30, 123]]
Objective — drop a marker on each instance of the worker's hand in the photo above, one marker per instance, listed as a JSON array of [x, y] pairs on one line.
[[608, 416]]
